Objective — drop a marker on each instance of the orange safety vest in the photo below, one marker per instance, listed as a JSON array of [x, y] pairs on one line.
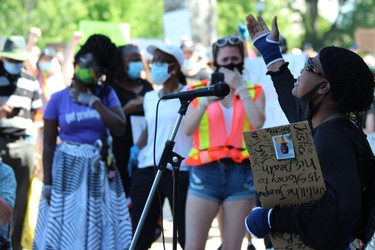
[[211, 141]]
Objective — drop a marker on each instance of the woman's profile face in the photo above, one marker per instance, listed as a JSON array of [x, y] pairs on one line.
[[311, 75]]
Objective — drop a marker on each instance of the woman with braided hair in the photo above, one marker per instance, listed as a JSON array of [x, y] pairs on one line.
[[333, 92], [81, 206]]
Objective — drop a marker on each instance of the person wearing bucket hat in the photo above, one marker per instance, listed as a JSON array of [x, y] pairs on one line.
[[19, 101], [165, 71], [333, 91], [15, 49]]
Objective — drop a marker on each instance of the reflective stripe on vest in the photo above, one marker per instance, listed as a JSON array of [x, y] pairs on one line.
[[211, 141]]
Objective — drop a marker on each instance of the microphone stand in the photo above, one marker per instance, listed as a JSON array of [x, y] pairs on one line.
[[168, 156]]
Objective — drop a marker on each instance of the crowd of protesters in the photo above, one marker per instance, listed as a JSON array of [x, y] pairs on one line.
[[68, 120]]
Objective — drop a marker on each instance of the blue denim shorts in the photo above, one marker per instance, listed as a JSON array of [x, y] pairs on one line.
[[221, 183]]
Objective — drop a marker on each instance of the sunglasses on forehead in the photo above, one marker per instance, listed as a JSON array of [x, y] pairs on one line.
[[309, 66], [233, 40]]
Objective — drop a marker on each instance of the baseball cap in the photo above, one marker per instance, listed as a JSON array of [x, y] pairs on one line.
[[48, 51], [172, 50], [15, 48], [187, 46]]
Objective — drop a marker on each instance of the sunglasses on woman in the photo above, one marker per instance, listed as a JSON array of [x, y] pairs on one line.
[[233, 40], [309, 66]]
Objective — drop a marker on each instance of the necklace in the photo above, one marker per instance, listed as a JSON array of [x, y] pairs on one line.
[[162, 92]]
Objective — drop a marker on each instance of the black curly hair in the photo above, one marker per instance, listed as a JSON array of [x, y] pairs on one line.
[[100, 46], [352, 83], [102, 49]]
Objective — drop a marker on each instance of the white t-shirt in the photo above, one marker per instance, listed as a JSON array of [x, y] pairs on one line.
[[228, 114], [166, 121]]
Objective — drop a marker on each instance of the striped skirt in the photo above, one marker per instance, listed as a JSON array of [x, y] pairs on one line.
[[87, 210]]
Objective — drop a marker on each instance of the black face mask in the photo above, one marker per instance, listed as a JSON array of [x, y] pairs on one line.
[[232, 66], [307, 109]]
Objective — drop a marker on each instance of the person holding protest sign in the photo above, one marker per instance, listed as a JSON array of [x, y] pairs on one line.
[[333, 92]]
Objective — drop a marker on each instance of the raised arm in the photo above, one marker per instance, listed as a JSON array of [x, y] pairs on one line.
[[67, 63], [266, 41], [31, 64]]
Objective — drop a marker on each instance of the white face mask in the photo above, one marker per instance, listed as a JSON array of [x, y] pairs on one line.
[[13, 68], [159, 73]]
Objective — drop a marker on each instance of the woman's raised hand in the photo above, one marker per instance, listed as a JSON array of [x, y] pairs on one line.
[[258, 27]]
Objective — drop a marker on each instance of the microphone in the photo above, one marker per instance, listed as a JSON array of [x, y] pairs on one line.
[[220, 89]]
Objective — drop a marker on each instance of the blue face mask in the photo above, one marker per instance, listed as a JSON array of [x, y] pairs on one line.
[[159, 73], [45, 66], [134, 70], [188, 64], [13, 68]]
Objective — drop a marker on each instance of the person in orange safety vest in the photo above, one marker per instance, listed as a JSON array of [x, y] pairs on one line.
[[220, 174]]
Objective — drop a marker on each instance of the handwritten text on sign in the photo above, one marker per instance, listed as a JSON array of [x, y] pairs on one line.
[[285, 182]]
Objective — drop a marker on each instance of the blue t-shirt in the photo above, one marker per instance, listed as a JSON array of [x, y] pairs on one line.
[[77, 122]]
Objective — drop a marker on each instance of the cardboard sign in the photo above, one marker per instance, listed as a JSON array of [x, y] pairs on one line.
[[286, 171], [365, 39]]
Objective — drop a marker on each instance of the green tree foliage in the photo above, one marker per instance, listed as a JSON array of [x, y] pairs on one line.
[[359, 14], [231, 13], [59, 19], [299, 20]]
